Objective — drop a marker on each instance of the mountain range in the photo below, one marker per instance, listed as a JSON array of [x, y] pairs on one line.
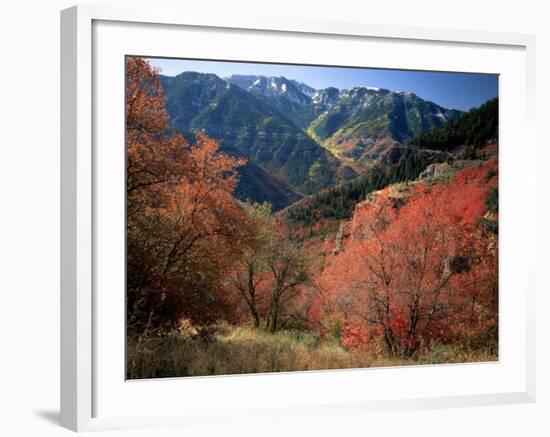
[[297, 140]]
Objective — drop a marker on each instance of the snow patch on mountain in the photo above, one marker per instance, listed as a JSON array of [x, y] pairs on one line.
[[440, 115], [358, 98]]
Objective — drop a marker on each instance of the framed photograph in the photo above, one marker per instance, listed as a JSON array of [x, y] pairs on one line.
[[336, 214]]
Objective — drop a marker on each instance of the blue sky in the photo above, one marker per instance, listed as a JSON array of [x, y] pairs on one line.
[[450, 90]]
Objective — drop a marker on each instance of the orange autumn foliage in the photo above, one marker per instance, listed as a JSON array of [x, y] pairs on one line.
[[271, 278], [411, 268], [183, 223], [418, 271]]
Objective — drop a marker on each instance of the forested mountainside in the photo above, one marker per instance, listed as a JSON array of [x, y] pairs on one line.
[[258, 131], [471, 137], [365, 121], [299, 102], [473, 128], [304, 139]]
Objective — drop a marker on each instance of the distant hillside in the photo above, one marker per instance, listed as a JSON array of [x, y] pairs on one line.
[[257, 185], [337, 203], [364, 121], [406, 162], [274, 86], [300, 141], [473, 128], [297, 101], [248, 124], [357, 124]]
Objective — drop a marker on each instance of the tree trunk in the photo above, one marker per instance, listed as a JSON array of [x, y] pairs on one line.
[[256, 318]]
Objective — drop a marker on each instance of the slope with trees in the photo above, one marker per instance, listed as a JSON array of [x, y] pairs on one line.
[[419, 272], [247, 124], [216, 285], [473, 128]]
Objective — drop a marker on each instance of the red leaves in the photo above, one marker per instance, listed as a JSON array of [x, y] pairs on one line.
[[361, 336], [418, 271], [184, 225]]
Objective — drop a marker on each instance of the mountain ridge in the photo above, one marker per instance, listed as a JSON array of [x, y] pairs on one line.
[[351, 123], [307, 139], [243, 122]]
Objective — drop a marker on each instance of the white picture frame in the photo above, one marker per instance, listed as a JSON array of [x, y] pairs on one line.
[[86, 379]]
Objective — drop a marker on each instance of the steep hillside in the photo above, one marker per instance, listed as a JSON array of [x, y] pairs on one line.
[[274, 86], [367, 130], [432, 156], [297, 101], [365, 121], [473, 128], [259, 131], [257, 185], [337, 203]]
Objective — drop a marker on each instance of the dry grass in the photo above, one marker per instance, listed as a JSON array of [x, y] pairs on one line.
[[242, 350]]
